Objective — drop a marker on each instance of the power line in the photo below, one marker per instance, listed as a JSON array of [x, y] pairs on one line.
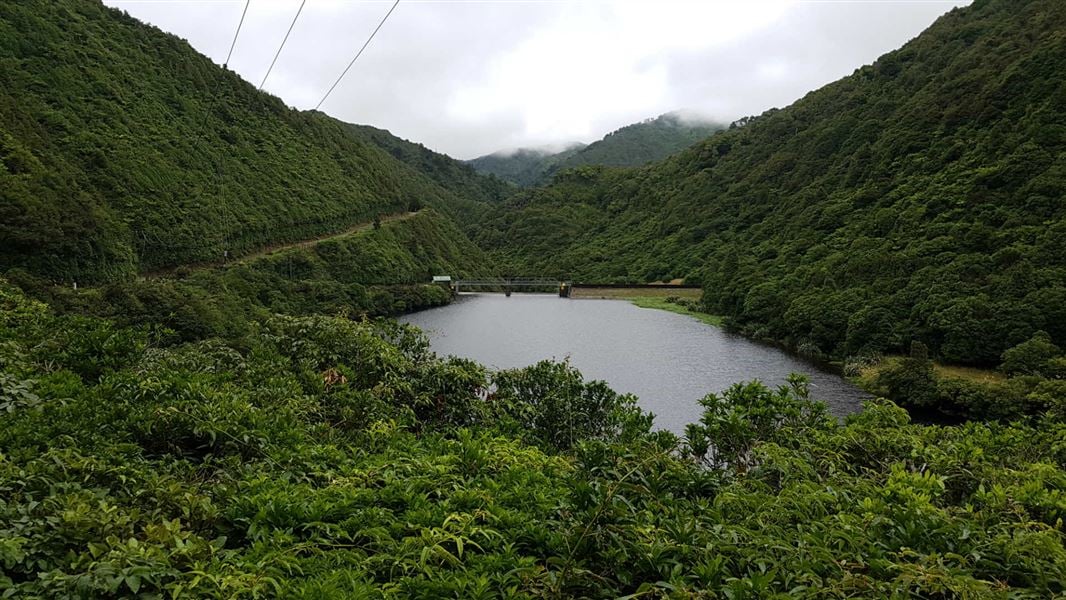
[[357, 55], [219, 179], [234, 43], [291, 25]]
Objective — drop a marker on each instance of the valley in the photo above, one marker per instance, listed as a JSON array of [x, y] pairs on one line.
[[226, 372]]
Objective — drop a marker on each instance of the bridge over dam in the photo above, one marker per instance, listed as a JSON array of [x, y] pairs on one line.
[[567, 288]]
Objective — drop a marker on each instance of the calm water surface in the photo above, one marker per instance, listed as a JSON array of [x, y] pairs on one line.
[[668, 360]]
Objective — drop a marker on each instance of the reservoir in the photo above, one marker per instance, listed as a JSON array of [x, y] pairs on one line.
[[667, 360]]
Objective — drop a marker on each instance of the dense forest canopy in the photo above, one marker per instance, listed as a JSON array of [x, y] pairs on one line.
[[920, 198], [631, 146], [124, 150]]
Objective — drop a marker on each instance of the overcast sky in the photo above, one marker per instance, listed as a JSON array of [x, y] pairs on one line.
[[471, 77]]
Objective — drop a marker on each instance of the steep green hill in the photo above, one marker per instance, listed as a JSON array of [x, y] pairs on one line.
[[920, 198], [124, 150], [524, 167], [630, 146]]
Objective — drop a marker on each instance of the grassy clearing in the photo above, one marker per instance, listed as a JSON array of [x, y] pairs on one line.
[[662, 304], [968, 373]]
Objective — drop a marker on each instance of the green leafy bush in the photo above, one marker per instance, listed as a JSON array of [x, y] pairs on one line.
[[745, 415], [1032, 357], [552, 405], [910, 381]]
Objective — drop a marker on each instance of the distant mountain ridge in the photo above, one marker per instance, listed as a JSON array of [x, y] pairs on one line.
[[524, 167], [631, 146]]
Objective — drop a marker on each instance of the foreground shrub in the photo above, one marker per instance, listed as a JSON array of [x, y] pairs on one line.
[[551, 404], [747, 414]]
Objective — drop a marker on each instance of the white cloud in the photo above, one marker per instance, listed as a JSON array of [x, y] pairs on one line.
[[470, 77]]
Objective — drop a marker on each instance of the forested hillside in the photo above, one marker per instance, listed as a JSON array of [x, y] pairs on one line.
[[380, 271], [630, 146], [456, 176], [919, 198], [124, 150]]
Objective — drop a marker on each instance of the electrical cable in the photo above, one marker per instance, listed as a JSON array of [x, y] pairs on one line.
[[282, 46], [357, 55], [233, 44]]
